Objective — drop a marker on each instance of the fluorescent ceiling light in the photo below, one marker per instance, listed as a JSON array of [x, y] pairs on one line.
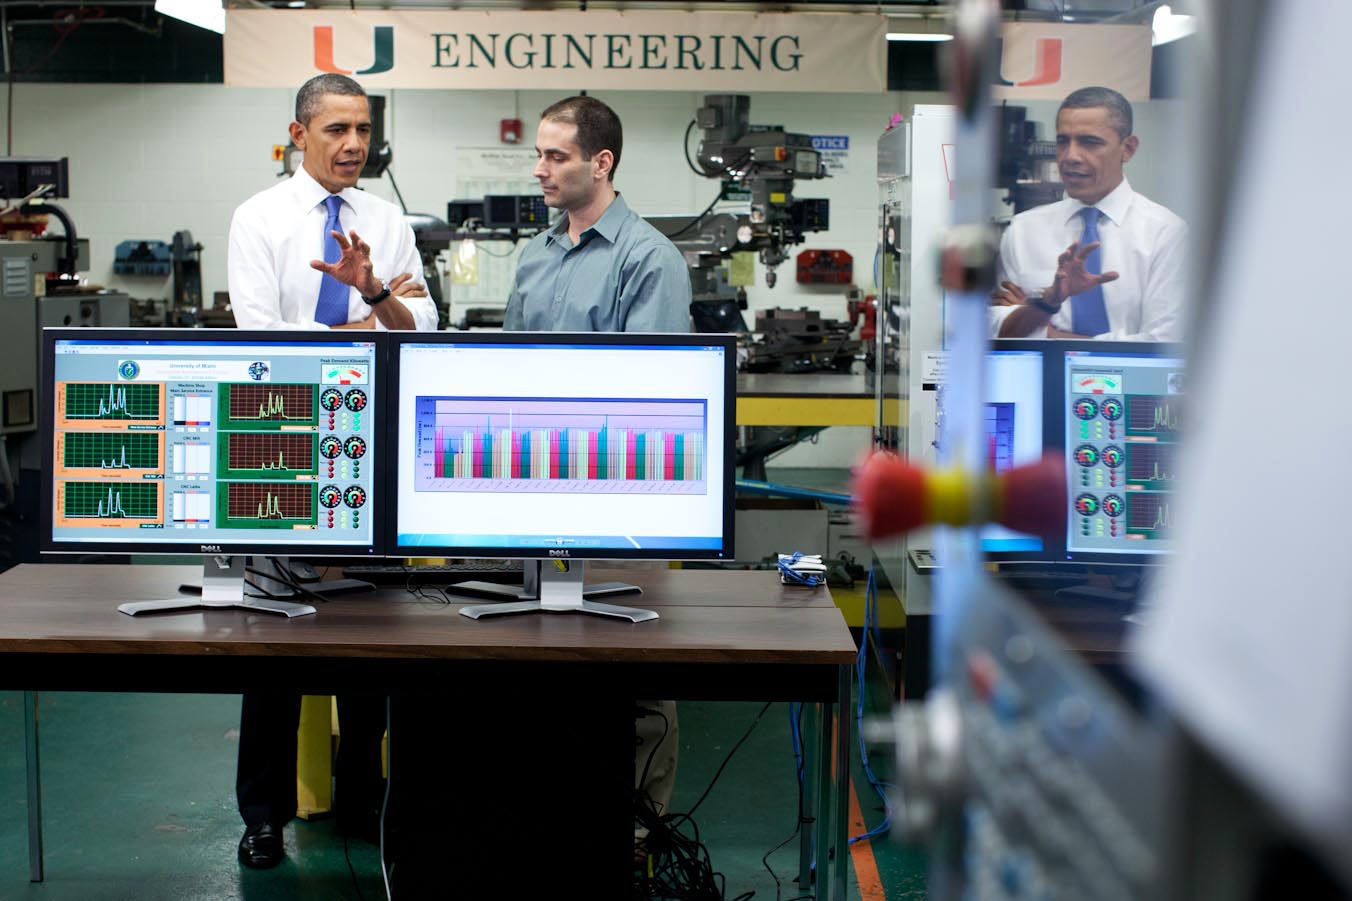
[[208, 14], [917, 36], [1168, 27]]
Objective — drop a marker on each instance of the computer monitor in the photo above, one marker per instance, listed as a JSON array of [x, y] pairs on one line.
[[563, 447], [1120, 418], [220, 443], [1016, 423]]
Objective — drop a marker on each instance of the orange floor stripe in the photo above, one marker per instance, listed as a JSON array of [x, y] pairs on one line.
[[861, 855]]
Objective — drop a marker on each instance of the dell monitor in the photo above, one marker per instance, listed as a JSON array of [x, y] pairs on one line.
[[220, 443], [562, 447], [1120, 417]]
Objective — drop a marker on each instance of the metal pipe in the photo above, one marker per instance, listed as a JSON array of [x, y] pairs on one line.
[[145, 29], [71, 263], [33, 767]]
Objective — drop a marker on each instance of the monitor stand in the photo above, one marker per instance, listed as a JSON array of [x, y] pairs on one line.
[[222, 586], [551, 589]]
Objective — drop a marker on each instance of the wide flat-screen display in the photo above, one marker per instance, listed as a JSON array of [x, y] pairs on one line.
[[1122, 420], [207, 441], [523, 444]]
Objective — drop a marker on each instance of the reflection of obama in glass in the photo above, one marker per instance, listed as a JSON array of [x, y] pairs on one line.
[[1104, 262]]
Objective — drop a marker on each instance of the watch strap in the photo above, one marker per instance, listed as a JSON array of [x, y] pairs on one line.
[[377, 298], [1044, 306]]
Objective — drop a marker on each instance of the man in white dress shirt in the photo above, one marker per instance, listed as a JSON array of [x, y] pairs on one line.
[[1104, 262], [314, 252], [286, 267]]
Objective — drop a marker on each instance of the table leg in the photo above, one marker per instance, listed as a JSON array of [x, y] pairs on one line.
[[825, 773], [807, 830], [30, 729], [841, 820]]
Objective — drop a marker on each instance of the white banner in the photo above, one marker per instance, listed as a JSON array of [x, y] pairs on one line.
[[1047, 61], [636, 50]]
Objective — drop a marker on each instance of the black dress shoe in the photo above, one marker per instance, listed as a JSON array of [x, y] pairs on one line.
[[261, 847]]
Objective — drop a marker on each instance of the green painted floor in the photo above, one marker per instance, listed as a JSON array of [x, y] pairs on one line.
[[139, 803]]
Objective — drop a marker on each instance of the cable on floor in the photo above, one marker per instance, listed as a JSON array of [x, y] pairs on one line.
[[677, 864], [870, 628]]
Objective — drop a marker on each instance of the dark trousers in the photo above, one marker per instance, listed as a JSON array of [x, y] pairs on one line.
[[265, 779]]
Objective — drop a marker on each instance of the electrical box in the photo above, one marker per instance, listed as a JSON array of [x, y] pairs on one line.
[[515, 211]]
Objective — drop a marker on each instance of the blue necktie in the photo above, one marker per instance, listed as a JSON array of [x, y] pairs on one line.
[[333, 294], [1088, 314]]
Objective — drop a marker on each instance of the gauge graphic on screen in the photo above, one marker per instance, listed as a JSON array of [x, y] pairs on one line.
[[1113, 456], [330, 446], [354, 496], [330, 496], [355, 400], [1113, 505], [1085, 409], [1086, 455], [331, 399], [1086, 505], [1112, 409], [355, 447]]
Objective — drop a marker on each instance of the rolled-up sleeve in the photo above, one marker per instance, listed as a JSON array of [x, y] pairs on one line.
[[252, 278], [1162, 302], [423, 309]]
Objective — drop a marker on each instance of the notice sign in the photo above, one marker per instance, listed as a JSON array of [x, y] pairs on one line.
[[835, 151]]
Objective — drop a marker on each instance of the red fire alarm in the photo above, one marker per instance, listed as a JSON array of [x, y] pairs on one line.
[[825, 267], [510, 131]]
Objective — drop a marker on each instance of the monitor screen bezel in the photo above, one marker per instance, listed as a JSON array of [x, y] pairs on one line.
[[1148, 349], [47, 543], [728, 342]]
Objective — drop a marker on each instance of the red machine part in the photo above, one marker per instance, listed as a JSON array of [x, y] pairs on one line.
[[867, 310], [825, 267]]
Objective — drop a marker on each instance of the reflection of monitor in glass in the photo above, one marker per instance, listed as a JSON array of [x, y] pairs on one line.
[[1015, 401], [210, 442], [563, 447], [1120, 415]]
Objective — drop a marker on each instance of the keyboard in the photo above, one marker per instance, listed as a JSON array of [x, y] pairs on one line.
[[507, 572]]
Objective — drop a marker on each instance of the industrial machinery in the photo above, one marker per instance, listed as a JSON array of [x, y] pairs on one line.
[[1027, 164], [504, 218], [180, 258], [38, 288], [800, 341], [757, 165]]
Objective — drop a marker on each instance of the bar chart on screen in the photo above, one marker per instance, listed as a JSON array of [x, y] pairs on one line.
[[561, 445]]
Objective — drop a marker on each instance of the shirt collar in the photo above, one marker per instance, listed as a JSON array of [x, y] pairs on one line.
[[1114, 205], [608, 226], [310, 193]]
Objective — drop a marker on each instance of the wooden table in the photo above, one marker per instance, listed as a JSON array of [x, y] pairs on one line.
[[721, 635]]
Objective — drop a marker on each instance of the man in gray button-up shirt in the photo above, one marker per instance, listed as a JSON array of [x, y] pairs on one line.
[[600, 268]]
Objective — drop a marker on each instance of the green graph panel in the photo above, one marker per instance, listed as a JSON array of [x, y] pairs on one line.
[[104, 401], [266, 407], [111, 450], [279, 456], [115, 500], [274, 505]]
